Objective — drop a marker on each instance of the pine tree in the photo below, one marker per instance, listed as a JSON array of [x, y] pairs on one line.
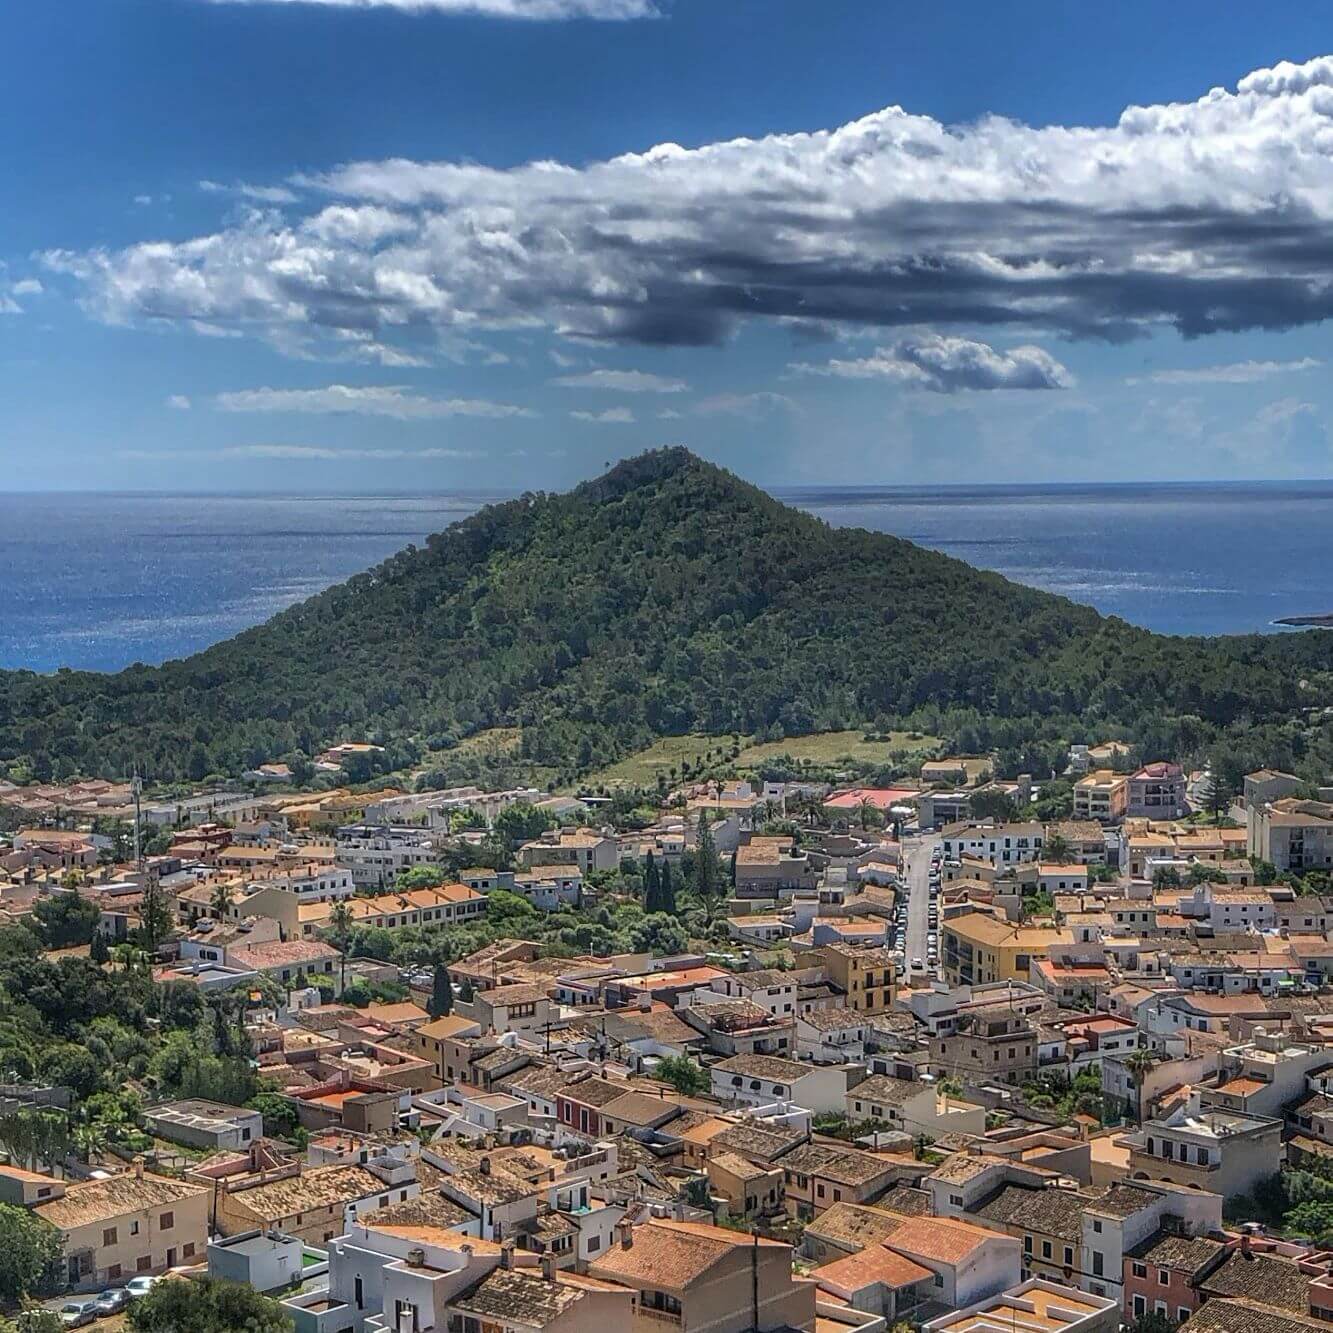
[[652, 885], [667, 891], [98, 951], [442, 993]]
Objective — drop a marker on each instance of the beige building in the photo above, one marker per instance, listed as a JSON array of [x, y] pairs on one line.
[[767, 866], [1293, 835], [866, 976], [127, 1225], [1224, 1152], [1103, 796], [690, 1275]]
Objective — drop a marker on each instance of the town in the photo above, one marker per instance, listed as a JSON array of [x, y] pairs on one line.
[[738, 1052]]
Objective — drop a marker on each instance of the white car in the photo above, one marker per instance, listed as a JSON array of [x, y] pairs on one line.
[[141, 1286], [918, 965]]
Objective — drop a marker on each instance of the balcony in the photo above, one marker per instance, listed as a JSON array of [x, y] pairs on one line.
[[661, 1316]]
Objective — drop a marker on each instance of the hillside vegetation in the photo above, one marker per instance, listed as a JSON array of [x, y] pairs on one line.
[[664, 598]]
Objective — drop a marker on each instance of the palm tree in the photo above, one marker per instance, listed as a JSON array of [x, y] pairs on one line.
[[340, 926], [90, 1140], [1138, 1063], [219, 902]]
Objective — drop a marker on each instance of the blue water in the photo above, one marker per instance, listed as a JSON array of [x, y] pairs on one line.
[[101, 581]]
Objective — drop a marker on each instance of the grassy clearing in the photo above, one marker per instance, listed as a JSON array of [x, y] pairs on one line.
[[671, 752], [830, 747], [494, 740], [674, 752]]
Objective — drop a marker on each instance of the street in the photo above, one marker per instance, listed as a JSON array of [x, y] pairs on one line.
[[916, 852]]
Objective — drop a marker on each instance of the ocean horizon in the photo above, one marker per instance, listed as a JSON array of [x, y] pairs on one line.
[[101, 580]]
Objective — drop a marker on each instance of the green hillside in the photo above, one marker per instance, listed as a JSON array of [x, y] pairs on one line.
[[666, 597]]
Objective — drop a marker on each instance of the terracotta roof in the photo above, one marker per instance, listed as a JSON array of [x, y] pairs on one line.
[[672, 1255], [88, 1201], [877, 1264], [944, 1239], [1265, 1278], [848, 1166], [318, 1187], [1188, 1253], [853, 1225], [1240, 1316], [513, 1296]]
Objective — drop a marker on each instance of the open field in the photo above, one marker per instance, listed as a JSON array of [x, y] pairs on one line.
[[494, 740], [828, 747], [642, 769]]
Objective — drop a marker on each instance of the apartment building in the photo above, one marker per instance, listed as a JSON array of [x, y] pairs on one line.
[[1157, 791], [761, 1080], [1102, 795], [866, 976], [377, 854], [1293, 834], [1224, 1152], [1000, 844], [585, 849], [981, 948], [992, 1044]]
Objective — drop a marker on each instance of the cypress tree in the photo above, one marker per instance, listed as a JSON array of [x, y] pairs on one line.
[[442, 993], [652, 885], [668, 890]]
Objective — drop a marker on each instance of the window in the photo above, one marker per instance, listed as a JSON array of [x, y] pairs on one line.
[[1027, 1244], [187, 1250], [1140, 1270], [143, 1263], [1046, 1249], [1097, 1225], [1140, 1307], [1182, 1313], [939, 1279], [1163, 1277], [113, 1272], [594, 1244], [134, 1228], [108, 1235], [956, 1200], [1159, 1307], [1097, 1263], [166, 1221], [1069, 1256]]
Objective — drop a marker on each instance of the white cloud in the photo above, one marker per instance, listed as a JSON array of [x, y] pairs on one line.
[[1238, 372], [1205, 216], [948, 365], [501, 9], [376, 401], [622, 381], [27, 287], [260, 194], [743, 404], [298, 452], [179, 402], [617, 415]]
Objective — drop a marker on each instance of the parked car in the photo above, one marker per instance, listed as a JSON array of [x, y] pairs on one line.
[[141, 1286], [75, 1314], [113, 1300]]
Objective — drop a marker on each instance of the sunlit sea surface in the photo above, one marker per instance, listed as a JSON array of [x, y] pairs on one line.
[[100, 581]]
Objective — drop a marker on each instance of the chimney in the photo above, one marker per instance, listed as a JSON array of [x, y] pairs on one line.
[[138, 1167], [548, 1266], [485, 1166], [507, 1254], [625, 1235], [1245, 1244], [416, 1257]]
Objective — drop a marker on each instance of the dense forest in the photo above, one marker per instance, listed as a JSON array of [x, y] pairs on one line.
[[666, 596]]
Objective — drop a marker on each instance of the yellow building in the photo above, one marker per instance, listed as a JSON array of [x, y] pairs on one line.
[[980, 948], [866, 976]]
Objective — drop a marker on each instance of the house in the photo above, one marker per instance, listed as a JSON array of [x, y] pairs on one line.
[[967, 1262], [316, 1203], [991, 1043], [696, 1276], [1163, 1272], [876, 1281], [583, 848], [759, 1080], [512, 1008], [912, 1107], [125, 1225], [1268, 784], [1000, 844], [749, 1188], [1157, 791], [203, 1124], [831, 1036], [1102, 796], [818, 1175], [446, 905], [286, 961], [769, 866], [1224, 1152], [266, 1261], [866, 976], [1034, 1306]]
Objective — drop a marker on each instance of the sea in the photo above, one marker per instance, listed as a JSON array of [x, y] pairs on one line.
[[99, 581]]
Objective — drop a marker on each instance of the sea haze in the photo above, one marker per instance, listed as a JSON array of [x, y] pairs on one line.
[[100, 581]]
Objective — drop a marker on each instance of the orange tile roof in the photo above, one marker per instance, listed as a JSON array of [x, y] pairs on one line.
[[854, 1272]]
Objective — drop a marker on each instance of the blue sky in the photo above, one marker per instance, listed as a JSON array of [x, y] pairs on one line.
[[300, 245]]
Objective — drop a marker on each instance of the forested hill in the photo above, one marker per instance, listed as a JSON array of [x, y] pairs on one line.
[[663, 597]]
